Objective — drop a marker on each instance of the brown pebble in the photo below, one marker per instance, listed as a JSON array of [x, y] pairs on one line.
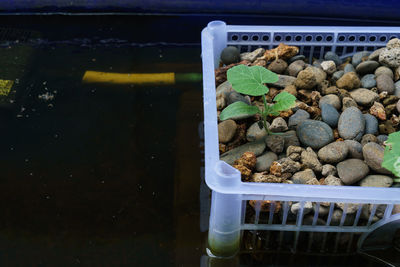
[[246, 172], [248, 159]]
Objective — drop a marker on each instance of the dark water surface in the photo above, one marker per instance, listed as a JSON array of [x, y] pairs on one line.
[[101, 175]]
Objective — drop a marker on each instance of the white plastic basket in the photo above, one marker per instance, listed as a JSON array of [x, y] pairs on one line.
[[229, 193]]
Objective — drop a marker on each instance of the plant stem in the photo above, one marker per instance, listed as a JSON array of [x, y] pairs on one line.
[[265, 114]]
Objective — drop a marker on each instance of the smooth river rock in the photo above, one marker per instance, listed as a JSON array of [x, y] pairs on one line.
[[351, 124], [351, 171], [314, 134]]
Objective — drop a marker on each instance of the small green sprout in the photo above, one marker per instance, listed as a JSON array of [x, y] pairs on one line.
[[251, 81], [391, 157]]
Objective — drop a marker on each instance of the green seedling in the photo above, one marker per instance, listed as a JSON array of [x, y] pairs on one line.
[[251, 81], [391, 157]]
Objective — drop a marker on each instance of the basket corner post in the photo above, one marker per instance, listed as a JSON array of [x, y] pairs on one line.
[[225, 225]]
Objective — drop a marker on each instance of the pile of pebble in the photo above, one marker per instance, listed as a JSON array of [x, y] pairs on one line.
[[335, 134]]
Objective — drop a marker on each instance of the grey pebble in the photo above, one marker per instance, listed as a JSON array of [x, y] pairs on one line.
[[364, 97], [375, 55], [284, 80], [355, 149], [333, 56], [398, 106], [257, 147], [234, 96], [275, 142], [348, 102], [302, 177], [368, 81], [371, 124], [397, 89], [230, 55], [278, 125], [331, 99], [329, 115], [385, 84], [373, 156], [377, 181], [384, 70], [349, 68], [295, 67], [264, 161], [382, 138], [328, 170], [333, 152], [314, 134], [351, 124], [368, 138], [226, 130], [297, 118], [307, 208], [351, 171], [297, 57], [256, 132], [357, 57], [291, 139], [367, 67], [337, 75]]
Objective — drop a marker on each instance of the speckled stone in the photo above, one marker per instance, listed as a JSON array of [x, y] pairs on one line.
[[368, 138], [371, 124], [351, 124], [351, 171], [314, 134], [329, 115]]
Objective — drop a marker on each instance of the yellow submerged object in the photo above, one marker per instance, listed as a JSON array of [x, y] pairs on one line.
[[128, 78]]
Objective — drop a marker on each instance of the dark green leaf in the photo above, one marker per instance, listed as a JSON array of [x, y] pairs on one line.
[[236, 109], [284, 101], [251, 80]]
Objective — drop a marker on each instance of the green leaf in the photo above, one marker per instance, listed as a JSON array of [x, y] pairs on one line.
[[250, 80], [391, 157], [236, 109], [284, 101]]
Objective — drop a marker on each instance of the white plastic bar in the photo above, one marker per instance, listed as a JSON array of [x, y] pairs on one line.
[[316, 213], [271, 212], [343, 214], [388, 211], [305, 228], [331, 207], [285, 212], [373, 211], [358, 214]]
